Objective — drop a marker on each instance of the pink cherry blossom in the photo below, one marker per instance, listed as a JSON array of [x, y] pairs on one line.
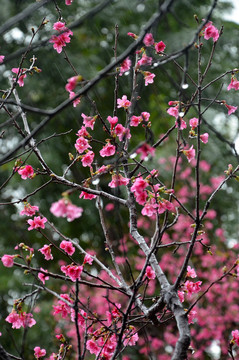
[[118, 180], [58, 43], [114, 313], [131, 337], [181, 296], [135, 120], [73, 271], [92, 346], [145, 60], [192, 288], [141, 197], [132, 35], [1, 58], [83, 132], [234, 84], [46, 251], [67, 247], [59, 26], [73, 212], [68, 2], [125, 66], [109, 207], [204, 138], [108, 347], [191, 272], [139, 185], [161, 207], [113, 121], [235, 336], [231, 109], [173, 103], [107, 150], [36, 223], [27, 319], [58, 208], [173, 111], [204, 165], [189, 153], [211, 32], [38, 352], [82, 144], [150, 208], [148, 39], [66, 36], [21, 76], [122, 132], [124, 102], [43, 277], [145, 115], [168, 205], [26, 172], [77, 101], [61, 307], [148, 77], [80, 317], [20, 320], [29, 210], [87, 196], [150, 273], [14, 319], [192, 316], [145, 150], [89, 121], [181, 124], [64, 208], [7, 260], [103, 169], [193, 122], [88, 159], [88, 259], [61, 40], [160, 47], [71, 83]]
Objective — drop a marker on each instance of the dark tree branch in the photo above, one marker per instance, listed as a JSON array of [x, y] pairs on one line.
[[3, 354], [30, 10]]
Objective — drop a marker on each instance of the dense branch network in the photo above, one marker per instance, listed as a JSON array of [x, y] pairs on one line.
[[137, 297]]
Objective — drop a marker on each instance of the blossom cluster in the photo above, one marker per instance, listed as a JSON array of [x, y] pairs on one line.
[[64, 208], [105, 348], [38, 352], [152, 201], [181, 124], [73, 271], [235, 337], [26, 172], [70, 86], [145, 60], [21, 75], [7, 260], [103, 342], [37, 222], [210, 31], [20, 319], [59, 41]]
